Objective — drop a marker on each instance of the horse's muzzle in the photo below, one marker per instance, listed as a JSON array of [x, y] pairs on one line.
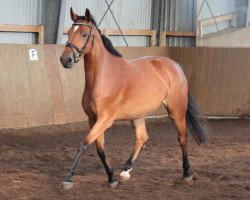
[[67, 61]]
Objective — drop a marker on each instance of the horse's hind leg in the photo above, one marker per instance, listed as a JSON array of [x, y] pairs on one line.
[[141, 139], [181, 128], [177, 112]]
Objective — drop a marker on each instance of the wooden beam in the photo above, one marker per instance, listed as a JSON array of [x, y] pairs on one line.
[[24, 29], [128, 32], [166, 34], [41, 35], [133, 32], [19, 28], [217, 19]]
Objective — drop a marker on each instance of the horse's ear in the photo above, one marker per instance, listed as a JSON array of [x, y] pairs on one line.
[[87, 15], [73, 15]]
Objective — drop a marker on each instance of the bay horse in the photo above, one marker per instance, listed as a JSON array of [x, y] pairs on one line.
[[120, 89]]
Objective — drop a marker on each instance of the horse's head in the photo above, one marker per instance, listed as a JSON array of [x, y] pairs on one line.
[[80, 39]]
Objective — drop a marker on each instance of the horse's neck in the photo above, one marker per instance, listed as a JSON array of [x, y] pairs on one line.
[[96, 63]]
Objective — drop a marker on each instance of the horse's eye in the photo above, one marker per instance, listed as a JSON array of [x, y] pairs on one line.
[[84, 34]]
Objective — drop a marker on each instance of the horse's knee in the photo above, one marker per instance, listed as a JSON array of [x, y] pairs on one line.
[[142, 140], [182, 140]]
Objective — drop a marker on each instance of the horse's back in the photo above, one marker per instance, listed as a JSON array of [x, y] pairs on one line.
[[167, 69], [159, 63]]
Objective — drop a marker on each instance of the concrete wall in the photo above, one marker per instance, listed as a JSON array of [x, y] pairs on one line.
[[43, 92], [237, 38]]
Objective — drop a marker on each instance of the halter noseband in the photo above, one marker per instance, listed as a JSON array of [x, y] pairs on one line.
[[80, 51]]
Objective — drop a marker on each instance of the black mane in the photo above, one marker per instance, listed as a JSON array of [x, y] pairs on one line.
[[106, 41], [109, 46]]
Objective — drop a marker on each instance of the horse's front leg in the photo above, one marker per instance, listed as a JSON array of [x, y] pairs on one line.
[[103, 122], [100, 142], [100, 147], [141, 139]]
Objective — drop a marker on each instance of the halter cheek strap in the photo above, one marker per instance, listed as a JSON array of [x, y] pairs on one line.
[[80, 51]]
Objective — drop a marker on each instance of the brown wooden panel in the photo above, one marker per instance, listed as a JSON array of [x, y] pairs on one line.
[[218, 78], [24, 88], [72, 81], [43, 92], [54, 81]]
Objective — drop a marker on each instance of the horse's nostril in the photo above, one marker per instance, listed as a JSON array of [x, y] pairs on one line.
[[70, 60], [62, 60]]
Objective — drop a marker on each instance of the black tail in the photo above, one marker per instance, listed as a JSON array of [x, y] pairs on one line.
[[196, 122]]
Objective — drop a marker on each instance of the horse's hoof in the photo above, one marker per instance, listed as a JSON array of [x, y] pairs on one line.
[[188, 178], [123, 179], [124, 176], [67, 185], [113, 185]]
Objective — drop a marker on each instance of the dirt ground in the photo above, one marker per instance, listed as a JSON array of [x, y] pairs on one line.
[[34, 161]]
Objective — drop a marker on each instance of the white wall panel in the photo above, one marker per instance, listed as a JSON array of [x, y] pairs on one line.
[[248, 14], [130, 14], [19, 12]]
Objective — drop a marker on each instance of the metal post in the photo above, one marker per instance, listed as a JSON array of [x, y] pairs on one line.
[[157, 19], [50, 18], [61, 22]]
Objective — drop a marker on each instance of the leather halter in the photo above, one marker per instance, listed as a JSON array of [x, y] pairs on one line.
[[80, 51]]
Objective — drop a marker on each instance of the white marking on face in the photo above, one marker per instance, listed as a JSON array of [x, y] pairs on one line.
[[75, 28]]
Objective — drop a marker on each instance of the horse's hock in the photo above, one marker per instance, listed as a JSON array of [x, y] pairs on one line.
[[36, 92]]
